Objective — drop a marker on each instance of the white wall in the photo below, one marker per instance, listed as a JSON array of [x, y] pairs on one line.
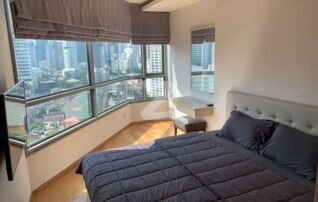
[[182, 22], [18, 190], [51, 160], [154, 110], [268, 48], [6, 72]]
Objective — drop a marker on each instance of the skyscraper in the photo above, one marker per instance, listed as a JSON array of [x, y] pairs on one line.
[[154, 59], [203, 61], [23, 58], [197, 55], [134, 62], [81, 52], [54, 59], [40, 53], [70, 54], [155, 86], [203, 56]]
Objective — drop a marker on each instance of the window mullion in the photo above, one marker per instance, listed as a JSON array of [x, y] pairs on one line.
[[163, 59], [90, 62], [144, 64], [164, 70]]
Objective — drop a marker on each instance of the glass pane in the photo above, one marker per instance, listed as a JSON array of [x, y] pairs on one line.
[[203, 66], [16, 117], [154, 59], [50, 66], [17, 91], [115, 60], [154, 87], [203, 57], [203, 83], [111, 95], [48, 119], [135, 89]]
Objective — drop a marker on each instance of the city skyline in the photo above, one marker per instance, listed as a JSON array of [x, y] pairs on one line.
[[50, 66]]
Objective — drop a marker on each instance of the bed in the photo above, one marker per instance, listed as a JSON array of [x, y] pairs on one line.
[[202, 167]]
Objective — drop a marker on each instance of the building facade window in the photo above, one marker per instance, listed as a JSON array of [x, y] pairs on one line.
[[68, 83]]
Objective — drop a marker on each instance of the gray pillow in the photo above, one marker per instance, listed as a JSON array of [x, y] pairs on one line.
[[294, 150], [248, 132]]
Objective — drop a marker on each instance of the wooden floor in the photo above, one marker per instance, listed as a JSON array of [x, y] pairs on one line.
[[69, 186]]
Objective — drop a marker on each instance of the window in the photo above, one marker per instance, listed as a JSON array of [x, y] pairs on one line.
[[135, 89], [115, 60], [115, 94], [155, 87], [16, 121], [49, 66], [203, 66], [111, 95], [49, 118], [67, 83]]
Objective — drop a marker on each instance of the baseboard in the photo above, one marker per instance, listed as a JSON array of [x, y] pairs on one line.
[[97, 148]]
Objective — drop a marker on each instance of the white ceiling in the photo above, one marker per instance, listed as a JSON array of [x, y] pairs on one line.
[[167, 5]]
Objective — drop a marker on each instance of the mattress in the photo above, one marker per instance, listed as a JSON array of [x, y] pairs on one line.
[[192, 167]]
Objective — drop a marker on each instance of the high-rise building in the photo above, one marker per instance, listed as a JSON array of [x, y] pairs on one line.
[[134, 62], [203, 56], [23, 58], [81, 52], [203, 83], [40, 51], [197, 55], [70, 54], [203, 61], [154, 59], [207, 56], [99, 55], [54, 59], [155, 87]]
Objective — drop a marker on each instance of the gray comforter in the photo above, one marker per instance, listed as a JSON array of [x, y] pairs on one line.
[[192, 167]]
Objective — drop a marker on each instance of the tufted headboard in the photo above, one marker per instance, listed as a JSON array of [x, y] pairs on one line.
[[299, 116]]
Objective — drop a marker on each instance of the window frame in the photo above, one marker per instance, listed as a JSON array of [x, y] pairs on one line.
[[92, 89]]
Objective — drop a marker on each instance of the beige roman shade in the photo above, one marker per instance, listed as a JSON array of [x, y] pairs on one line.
[[149, 27], [89, 20], [203, 35]]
